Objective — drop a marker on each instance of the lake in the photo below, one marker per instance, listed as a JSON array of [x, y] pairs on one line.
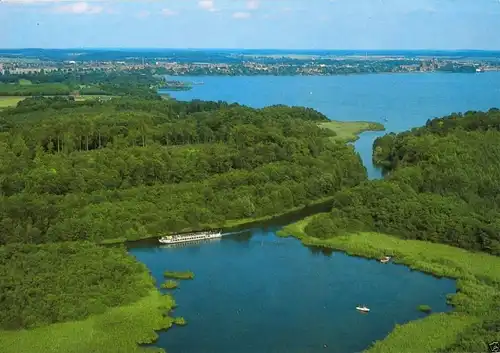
[[256, 292], [405, 100]]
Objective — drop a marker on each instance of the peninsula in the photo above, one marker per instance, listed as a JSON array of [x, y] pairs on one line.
[[79, 173]]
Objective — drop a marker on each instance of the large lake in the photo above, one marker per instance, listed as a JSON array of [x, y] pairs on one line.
[[405, 100], [255, 292]]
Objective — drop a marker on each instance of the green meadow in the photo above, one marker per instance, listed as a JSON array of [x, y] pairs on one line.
[[348, 131], [118, 330]]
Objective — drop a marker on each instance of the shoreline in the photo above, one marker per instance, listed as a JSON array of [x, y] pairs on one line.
[[231, 225], [127, 328], [477, 284], [333, 75], [351, 132]]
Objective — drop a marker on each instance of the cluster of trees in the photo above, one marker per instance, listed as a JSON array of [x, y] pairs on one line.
[[53, 89], [85, 82], [441, 185], [44, 284], [138, 167]]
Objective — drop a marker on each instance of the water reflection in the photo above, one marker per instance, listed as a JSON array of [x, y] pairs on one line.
[[318, 250], [239, 237]]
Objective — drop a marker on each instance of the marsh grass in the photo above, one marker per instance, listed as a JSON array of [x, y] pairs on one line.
[[477, 275], [180, 321], [424, 308], [170, 284], [348, 131], [120, 329], [179, 274]]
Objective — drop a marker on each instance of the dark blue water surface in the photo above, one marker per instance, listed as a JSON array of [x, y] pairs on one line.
[[255, 292]]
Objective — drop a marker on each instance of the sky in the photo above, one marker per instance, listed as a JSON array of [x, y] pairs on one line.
[[251, 24]]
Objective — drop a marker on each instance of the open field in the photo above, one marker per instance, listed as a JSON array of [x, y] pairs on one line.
[[24, 82], [120, 329], [348, 131], [478, 283], [9, 101]]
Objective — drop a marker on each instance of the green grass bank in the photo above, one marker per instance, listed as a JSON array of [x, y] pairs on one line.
[[348, 131], [120, 329], [478, 284]]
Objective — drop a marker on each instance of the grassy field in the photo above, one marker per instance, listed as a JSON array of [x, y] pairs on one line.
[[477, 274], [24, 82], [348, 131], [10, 101], [119, 330]]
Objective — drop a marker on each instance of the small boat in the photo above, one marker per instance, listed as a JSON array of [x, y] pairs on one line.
[[362, 308], [190, 237], [385, 259]]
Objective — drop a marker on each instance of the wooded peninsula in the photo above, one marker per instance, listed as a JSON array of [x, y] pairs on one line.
[[78, 174]]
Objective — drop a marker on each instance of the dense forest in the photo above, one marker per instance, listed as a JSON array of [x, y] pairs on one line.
[[44, 284], [84, 82], [76, 173], [441, 185], [133, 168]]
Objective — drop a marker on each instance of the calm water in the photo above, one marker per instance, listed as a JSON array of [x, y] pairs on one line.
[[255, 292], [406, 100]]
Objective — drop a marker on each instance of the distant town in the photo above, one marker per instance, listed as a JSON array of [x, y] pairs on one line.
[[232, 64]]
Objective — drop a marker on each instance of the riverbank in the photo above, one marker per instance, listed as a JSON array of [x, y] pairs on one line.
[[348, 131], [120, 329], [237, 224], [477, 275]]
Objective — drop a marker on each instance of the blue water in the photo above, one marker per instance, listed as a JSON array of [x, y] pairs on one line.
[[259, 293], [406, 100], [255, 292]]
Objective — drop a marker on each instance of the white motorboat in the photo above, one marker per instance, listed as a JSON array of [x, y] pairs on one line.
[[362, 308], [385, 259]]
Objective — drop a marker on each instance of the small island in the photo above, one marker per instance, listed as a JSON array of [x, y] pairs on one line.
[[170, 284], [424, 308], [180, 321], [178, 275]]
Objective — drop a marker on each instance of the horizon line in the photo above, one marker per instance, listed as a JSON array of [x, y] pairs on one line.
[[223, 48]]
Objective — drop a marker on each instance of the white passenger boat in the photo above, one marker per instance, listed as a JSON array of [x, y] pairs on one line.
[[362, 308], [190, 237]]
